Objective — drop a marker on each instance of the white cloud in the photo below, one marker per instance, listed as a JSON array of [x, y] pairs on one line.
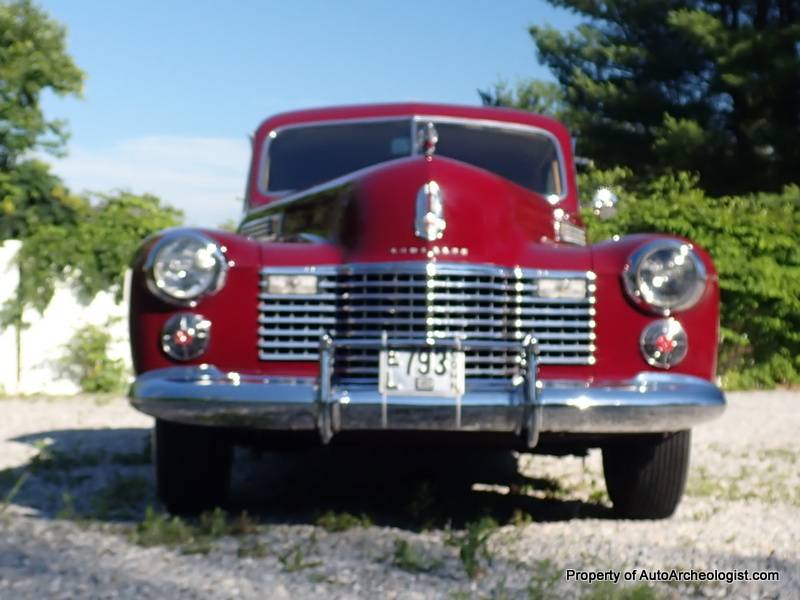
[[204, 177]]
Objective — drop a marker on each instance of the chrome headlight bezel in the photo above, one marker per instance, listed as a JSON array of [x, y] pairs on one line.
[[158, 286], [645, 296]]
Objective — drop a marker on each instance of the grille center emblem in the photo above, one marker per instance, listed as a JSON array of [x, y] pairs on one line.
[[430, 223]]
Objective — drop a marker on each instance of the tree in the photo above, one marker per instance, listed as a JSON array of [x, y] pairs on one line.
[[659, 85], [30, 197], [33, 58]]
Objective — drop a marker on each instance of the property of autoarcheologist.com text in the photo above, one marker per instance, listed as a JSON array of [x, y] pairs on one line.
[[670, 575]]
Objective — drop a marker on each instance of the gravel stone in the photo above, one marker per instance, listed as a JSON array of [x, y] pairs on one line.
[[86, 482]]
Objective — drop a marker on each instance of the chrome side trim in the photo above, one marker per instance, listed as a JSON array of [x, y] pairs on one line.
[[647, 403]]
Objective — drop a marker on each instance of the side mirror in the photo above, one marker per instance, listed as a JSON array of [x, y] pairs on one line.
[[604, 203]]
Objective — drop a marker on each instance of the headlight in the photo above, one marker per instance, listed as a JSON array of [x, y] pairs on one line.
[[666, 275], [183, 266]]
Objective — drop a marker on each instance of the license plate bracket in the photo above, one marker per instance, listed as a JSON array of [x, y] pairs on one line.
[[423, 372]]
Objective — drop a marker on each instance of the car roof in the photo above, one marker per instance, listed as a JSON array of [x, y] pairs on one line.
[[410, 109]]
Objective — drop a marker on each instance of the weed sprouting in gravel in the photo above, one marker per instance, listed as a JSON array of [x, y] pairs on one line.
[[159, 529], [335, 522], [543, 581], [295, 558], [67, 511], [122, 498], [520, 518], [12, 493], [610, 591], [407, 557], [191, 537], [252, 549], [473, 545], [780, 454], [49, 459]]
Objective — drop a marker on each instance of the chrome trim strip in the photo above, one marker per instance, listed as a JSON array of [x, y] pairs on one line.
[[649, 402], [423, 267]]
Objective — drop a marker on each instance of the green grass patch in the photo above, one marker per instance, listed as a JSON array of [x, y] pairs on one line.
[[189, 536], [473, 546], [408, 557], [123, 497], [335, 522], [610, 591], [298, 556]]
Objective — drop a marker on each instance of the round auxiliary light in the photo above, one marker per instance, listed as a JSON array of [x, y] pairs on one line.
[[185, 336], [665, 275], [183, 266], [664, 343]]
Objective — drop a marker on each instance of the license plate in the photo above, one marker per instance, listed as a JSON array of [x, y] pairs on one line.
[[421, 372]]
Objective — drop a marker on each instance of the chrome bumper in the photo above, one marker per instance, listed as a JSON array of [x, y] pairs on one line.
[[649, 402]]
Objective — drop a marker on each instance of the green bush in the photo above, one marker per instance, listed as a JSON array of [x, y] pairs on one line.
[[755, 243], [86, 361]]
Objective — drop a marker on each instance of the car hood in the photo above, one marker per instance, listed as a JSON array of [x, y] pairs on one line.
[[379, 214]]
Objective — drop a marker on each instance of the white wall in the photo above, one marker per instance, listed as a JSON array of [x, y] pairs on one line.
[[44, 341]]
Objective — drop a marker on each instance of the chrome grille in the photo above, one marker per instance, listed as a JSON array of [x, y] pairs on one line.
[[416, 301]]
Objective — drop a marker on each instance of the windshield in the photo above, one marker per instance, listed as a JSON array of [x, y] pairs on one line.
[[299, 157]]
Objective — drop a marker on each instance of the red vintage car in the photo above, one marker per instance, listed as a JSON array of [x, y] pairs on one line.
[[407, 273]]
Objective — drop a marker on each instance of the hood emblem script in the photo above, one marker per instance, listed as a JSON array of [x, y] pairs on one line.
[[430, 223]]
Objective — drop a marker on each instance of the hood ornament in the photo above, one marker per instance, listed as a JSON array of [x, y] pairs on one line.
[[430, 223], [427, 138]]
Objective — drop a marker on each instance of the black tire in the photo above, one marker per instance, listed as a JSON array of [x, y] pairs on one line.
[[193, 467], [645, 478]]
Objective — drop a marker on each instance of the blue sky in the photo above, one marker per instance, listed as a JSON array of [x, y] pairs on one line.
[[174, 88]]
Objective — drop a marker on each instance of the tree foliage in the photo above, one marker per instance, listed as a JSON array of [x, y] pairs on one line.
[[753, 241], [92, 253], [33, 58], [711, 87], [30, 197]]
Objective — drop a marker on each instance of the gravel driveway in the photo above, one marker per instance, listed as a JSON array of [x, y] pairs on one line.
[[77, 484]]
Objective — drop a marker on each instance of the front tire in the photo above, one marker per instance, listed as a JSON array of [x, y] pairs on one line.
[[193, 466], [645, 478]]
